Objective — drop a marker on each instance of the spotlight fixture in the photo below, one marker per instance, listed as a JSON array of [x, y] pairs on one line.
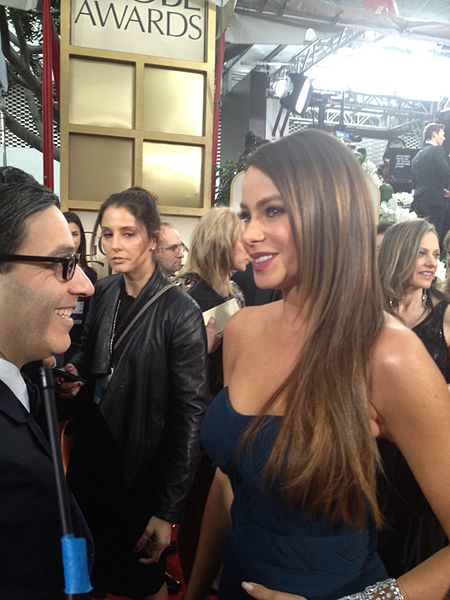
[[297, 101], [280, 85]]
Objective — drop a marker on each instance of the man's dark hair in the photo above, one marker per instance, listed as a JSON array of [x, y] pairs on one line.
[[430, 129], [20, 197], [13, 175]]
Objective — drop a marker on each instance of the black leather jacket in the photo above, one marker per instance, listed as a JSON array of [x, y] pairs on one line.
[[156, 396]]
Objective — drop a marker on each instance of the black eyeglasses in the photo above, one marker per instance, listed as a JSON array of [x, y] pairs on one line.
[[68, 263]]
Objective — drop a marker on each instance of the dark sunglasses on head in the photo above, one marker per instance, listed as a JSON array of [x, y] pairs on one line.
[[68, 263]]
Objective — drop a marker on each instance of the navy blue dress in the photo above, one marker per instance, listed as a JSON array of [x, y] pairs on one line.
[[270, 542]]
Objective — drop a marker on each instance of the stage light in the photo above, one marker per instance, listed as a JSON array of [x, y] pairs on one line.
[[297, 101], [280, 85]]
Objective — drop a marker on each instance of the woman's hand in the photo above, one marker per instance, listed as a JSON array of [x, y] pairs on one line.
[[262, 593], [214, 340], [154, 540], [67, 389]]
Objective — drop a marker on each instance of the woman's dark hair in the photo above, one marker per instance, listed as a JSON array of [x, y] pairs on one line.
[[72, 217], [142, 204]]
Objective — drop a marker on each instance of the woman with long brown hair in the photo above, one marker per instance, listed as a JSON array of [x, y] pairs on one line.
[[143, 356], [408, 260], [312, 380], [82, 307]]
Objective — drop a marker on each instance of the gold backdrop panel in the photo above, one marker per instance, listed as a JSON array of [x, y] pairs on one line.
[[101, 93], [173, 101], [174, 173], [99, 166]]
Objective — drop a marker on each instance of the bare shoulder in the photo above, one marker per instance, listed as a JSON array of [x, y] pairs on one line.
[[405, 379], [243, 334], [251, 320], [397, 344], [412, 404]]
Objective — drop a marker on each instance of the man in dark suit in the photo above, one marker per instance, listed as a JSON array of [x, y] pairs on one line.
[[431, 173], [39, 286]]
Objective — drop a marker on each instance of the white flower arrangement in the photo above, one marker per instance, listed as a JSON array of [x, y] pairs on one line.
[[370, 170], [395, 209], [403, 198], [394, 212]]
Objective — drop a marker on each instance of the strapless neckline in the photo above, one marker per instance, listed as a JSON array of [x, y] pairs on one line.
[[226, 392]]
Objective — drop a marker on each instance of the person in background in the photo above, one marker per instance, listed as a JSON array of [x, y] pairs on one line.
[[311, 382], [216, 253], [81, 309], [408, 260], [170, 250], [382, 227], [143, 355], [39, 286], [431, 175], [253, 295], [445, 287]]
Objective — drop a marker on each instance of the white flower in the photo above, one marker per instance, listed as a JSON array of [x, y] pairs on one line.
[[440, 271], [391, 211], [370, 170], [403, 198]]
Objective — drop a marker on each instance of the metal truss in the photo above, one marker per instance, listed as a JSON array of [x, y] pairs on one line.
[[273, 58], [370, 112], [315, 51]]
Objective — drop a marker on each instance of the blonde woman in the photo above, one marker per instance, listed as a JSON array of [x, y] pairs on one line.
[[312, 380], [216, 252]]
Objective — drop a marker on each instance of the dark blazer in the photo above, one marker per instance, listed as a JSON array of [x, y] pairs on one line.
[[156, 397], [30, 531], [431, 173]]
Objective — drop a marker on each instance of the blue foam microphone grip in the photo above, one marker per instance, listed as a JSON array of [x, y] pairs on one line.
[[76, 574]]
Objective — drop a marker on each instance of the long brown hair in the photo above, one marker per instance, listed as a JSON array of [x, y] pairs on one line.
[[325, 448], [397, 259]]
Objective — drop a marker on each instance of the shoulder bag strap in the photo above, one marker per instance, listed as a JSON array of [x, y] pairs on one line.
[[141, 312]]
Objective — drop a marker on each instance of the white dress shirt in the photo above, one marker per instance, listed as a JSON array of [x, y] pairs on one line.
[[11, 376]]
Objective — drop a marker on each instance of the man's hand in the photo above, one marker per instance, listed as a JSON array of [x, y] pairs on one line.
[[262, 593]]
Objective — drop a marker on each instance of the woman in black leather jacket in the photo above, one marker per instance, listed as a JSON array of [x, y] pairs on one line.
[[135, 453]]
